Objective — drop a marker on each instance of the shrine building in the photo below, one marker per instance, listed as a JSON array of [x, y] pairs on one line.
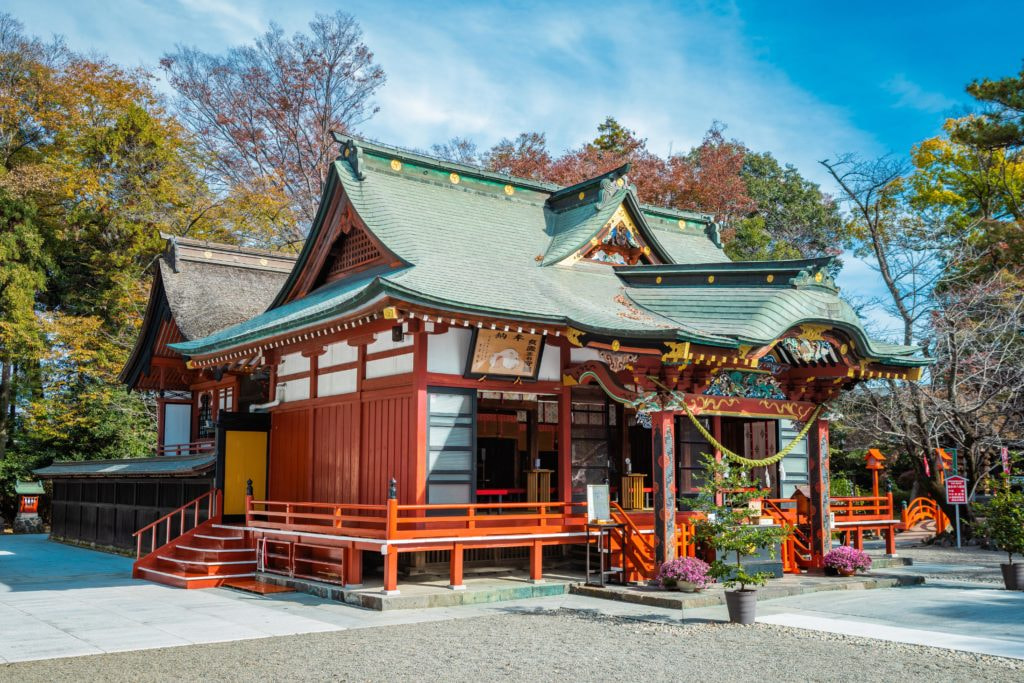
[[456, 354]]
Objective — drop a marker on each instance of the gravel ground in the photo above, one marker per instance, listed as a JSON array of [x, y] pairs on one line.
[[541, 646]]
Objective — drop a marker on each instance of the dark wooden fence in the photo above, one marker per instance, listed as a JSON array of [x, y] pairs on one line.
[[107, 511]]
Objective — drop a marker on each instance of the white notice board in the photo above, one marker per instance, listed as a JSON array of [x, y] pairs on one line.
[[598, 505]]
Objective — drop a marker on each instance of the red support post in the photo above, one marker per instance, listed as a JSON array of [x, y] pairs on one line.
[[391, 570], [565, 437], [664, 455], [536, 562], [353, 567], [455, 568], [818, 471]]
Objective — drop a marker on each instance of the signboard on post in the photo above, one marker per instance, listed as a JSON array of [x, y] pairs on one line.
[[956, 490], [598, 503], [1004, 453], [956, 494]]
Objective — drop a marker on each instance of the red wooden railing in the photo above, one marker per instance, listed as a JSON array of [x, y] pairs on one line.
[[796, 549], [861, 508], [633, 549], [190, 511], [406, 528], [194, 448]]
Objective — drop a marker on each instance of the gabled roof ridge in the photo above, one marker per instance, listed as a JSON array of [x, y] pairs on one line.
[[554, 189], [611, 175], [729, 266], [410, 156], [228, 248], [669, 212]]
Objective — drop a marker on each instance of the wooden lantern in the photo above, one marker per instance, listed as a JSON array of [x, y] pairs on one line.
[[874, 461]]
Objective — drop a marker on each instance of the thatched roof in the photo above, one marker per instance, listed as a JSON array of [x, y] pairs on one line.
[[212, 286], [198, 288]]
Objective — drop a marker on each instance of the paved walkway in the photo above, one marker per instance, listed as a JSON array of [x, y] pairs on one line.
[[60, 601]]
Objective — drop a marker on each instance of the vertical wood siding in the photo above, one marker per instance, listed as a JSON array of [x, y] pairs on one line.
[[388, 448], [346, 452], [290, 456], [336, 462]]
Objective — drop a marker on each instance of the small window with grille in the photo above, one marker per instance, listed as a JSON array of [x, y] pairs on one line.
[[205, 417]]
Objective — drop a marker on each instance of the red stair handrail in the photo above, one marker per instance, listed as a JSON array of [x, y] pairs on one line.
[[213, 508]]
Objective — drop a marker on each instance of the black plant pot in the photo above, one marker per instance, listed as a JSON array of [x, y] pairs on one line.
[[1013, 576], [742, 605]]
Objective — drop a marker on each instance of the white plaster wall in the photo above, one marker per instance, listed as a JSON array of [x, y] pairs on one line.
[[294, 390], [334, 383], [447, 353], [550, 364], [385, 367], [292, 363], [339, 353], [384, 343], [577, 355]]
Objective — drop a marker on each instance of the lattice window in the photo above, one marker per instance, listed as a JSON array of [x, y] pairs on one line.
[[352, 250], [205, 417]]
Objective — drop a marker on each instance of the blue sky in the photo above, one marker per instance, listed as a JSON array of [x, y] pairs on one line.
[[804, 80]]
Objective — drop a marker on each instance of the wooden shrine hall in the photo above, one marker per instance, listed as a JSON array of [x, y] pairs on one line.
[[455, 356], [198, 287]]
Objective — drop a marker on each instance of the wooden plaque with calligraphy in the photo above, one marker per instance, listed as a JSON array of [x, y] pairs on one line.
[[500, 354]]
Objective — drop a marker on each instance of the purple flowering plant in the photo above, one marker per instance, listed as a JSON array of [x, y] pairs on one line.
[[689, 569], [847, 559]]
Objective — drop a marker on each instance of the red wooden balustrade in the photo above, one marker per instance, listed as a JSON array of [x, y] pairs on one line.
[[189, 512], [853, 515], [394, 528], [194, 448]]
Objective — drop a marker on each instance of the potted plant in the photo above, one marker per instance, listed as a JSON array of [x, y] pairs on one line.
[[1002, 521], [688, 574], [847, 561], [729, 526]]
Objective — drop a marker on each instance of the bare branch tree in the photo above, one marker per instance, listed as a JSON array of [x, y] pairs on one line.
[[265, 112]]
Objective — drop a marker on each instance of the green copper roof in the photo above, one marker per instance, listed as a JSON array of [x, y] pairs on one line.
[[28, 488], [162, 465], [475, 242]]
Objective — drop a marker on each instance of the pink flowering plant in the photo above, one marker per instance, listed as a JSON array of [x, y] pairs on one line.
[[688, 569], [847, 559]]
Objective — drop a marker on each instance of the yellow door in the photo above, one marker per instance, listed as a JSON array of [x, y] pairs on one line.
[[245, 457]]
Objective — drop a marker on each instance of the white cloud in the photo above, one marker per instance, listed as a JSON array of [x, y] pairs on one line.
[[488, 71], [910, 95]]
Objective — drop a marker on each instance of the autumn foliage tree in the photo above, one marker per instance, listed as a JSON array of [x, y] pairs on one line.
[[264, 113], [92, 170]]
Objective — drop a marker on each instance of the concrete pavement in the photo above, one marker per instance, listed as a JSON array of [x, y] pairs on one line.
[[60, 601]]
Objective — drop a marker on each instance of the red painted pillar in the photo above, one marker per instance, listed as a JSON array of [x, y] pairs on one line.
[[664, 474], [818, 466], [565, 437]]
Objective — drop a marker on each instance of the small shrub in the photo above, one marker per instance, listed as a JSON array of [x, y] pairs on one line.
[[1003, 521], [689, 569], [847, 559]]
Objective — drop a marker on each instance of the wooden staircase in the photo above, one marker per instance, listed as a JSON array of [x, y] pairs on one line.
[[197, 551]]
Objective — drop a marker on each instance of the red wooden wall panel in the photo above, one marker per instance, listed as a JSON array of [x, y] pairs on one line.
[[290, 456], [336, 462], [346, 452], [388, 448]]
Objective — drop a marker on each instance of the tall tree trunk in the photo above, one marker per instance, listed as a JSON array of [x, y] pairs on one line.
[[6, 415]]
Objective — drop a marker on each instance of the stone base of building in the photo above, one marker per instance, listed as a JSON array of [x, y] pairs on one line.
[[29, 524]]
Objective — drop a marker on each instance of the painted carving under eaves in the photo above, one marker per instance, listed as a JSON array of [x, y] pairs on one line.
[[806, 350], [745, 385]]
